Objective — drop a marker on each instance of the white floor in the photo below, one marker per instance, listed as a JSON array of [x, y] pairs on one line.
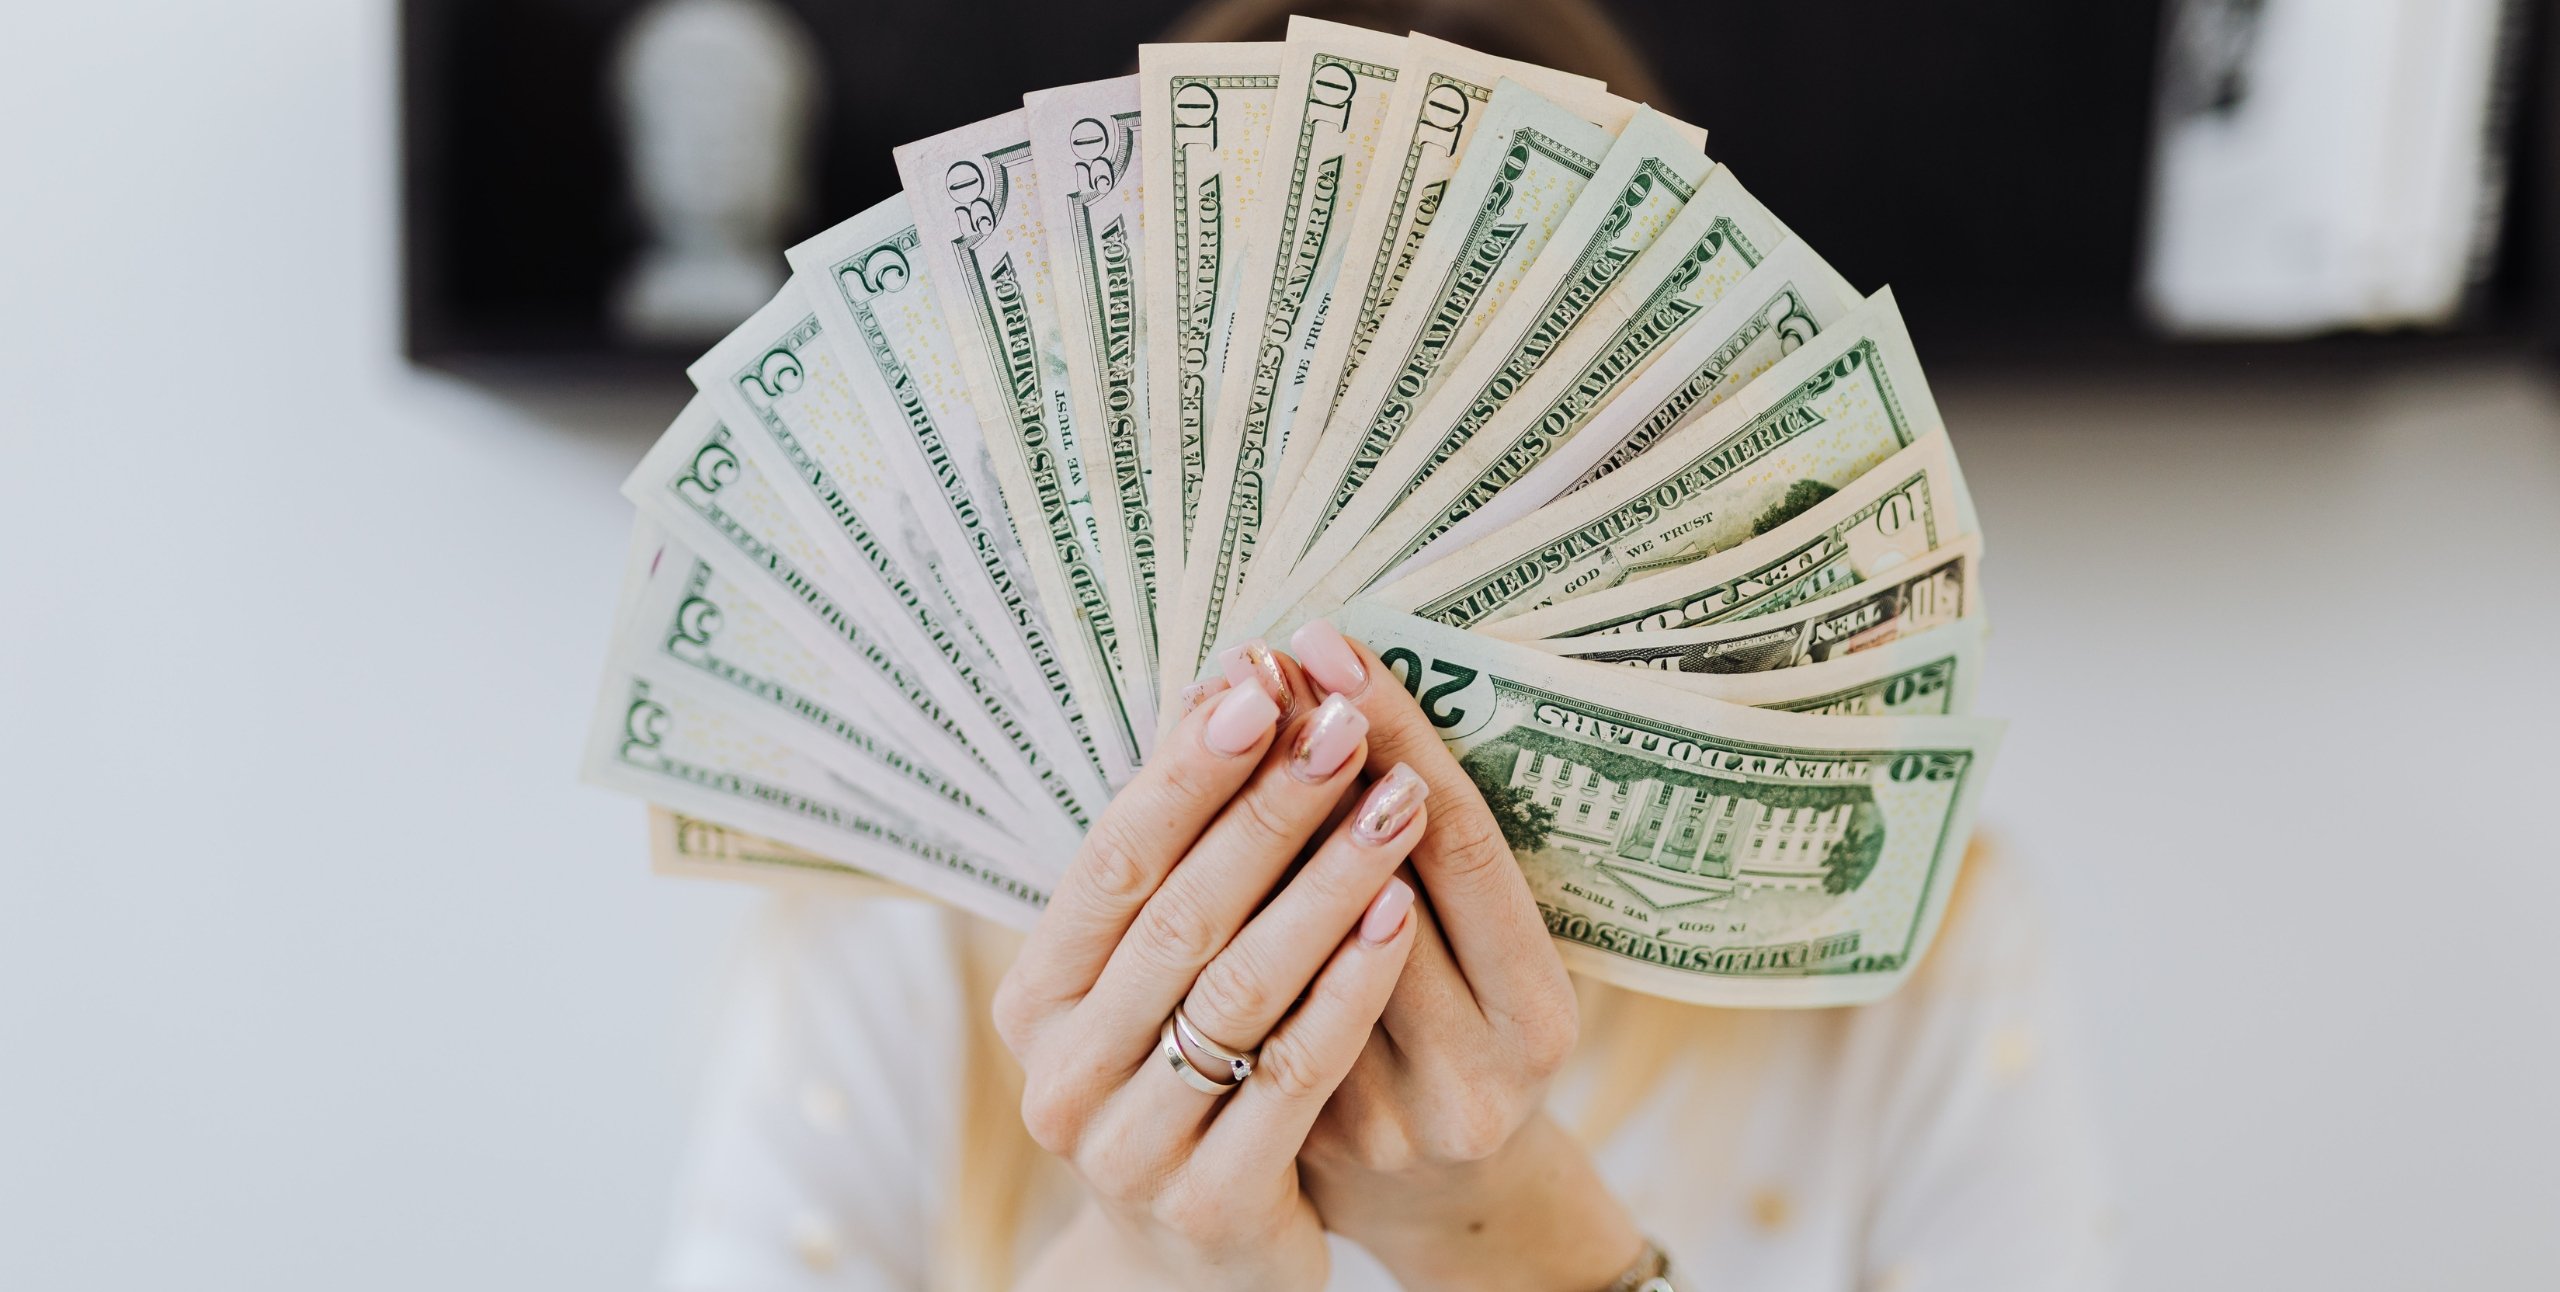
[[318, 971]]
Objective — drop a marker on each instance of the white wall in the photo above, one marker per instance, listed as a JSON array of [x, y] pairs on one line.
[[318, 971], [2279, 656]]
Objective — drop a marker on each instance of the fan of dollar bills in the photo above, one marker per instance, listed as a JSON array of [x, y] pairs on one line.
[[1651, 511]]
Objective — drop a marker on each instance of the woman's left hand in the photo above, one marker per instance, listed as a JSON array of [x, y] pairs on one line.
[[1435, 1152]]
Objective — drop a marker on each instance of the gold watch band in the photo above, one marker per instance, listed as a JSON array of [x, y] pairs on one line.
[[1650, 1273]]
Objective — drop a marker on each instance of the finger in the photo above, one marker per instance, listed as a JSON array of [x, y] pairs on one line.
[[1307, 1055], [1476, 890], [1195, 772], [1433, 1008], [1255, 663], [1240, 996], [1230, 871]]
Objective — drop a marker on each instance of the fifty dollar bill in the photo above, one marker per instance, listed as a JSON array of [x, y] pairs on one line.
[[1085, 148], [985, 254]]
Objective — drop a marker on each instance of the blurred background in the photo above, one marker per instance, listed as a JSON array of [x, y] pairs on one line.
[[329, 327]]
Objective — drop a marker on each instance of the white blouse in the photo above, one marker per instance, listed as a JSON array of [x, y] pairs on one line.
[[1935, 1140]]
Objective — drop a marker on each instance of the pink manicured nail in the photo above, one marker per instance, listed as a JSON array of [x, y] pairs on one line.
[[1239, 721], [1328, 739], [1385, 917], [1390, 807], [1253, 664], [1328, 658], [1193, 694]]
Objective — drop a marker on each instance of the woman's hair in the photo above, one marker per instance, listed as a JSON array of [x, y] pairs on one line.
[[1575, 36]]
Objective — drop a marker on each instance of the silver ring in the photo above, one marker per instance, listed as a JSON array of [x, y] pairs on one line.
[[1240, 1065], [1171, 1048]]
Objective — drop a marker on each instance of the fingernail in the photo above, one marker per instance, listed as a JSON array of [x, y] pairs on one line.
[[1390, 806], [1385, 917], [1241, 718], [1326, 742], [1253, 664], [1193, 694], [1328, 658]]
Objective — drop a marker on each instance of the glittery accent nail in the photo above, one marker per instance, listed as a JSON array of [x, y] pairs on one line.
[[1197, 692], [1267, 667], [1326, 742], [1254, 664], [1390, 806]]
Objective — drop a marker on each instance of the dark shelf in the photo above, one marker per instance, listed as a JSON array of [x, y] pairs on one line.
[[1986, 157]]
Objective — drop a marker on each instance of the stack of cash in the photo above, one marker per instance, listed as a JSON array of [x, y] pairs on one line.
[[1649, 509]]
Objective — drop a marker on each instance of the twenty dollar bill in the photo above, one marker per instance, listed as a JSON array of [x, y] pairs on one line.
[[1695, 849]]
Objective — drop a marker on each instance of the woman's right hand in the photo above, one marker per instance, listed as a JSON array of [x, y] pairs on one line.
[[1165, 906]]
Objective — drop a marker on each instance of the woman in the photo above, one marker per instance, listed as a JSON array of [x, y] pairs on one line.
[[1431, 1101]]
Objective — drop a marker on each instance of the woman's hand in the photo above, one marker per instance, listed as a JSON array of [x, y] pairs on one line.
[[1435, 1153], [1165, 906]]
